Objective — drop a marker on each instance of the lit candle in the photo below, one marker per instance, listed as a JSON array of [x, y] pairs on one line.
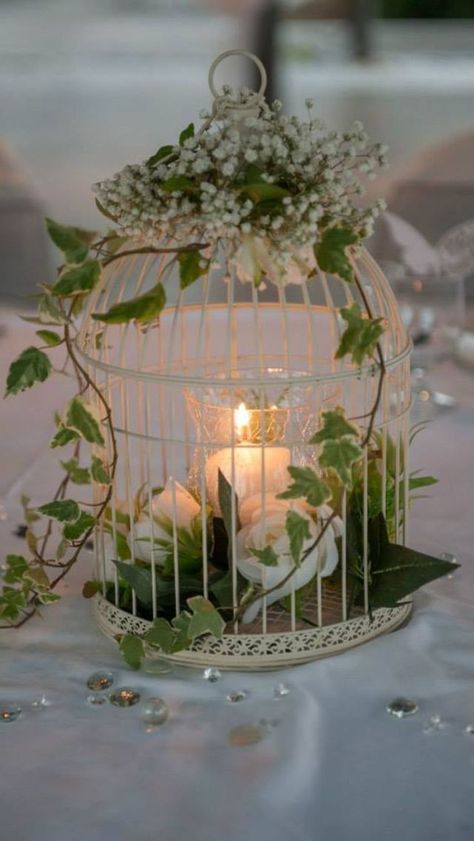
[[244, 470]]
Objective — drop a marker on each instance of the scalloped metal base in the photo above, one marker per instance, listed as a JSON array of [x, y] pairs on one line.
[[262, 651]]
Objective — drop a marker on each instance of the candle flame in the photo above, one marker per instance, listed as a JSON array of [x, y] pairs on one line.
[[241, 419]]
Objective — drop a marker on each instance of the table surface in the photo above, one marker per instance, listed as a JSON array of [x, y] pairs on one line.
[[334, 766]]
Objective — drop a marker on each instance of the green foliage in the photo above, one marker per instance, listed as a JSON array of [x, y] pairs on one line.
[[225, 494], [339, 455], [64, 510], [100, 207], [361, 335], [16, 566], [266, 556], [32, 366], [79, 280], [162, 153], [63, 436], [99, 472], [144, 308], [132, 651], [49, 337], [90, 588], [191, 266], [334, 427], [12, 603], [205, 619], [297, 528], [331, 251], [73, 531], [186, 134], [81, 419], [73, 242], [306, 484], [77, 474], [177, 184]]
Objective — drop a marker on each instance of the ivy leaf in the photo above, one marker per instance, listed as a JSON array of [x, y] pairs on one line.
[[331, 254], [186, 134], [32, 366], [63, 436], [139, 579], [132, 650], [16, 566], [104, 211], [161, 634], [306, 484], [190, 267], [334, 426], [64, 510], [340, 456], [177, 183], [266, 556], [80, 418], [73, 242], [360, 336], [205, 618], [163, 152], [180, 624], [37, 577], [48, 598], [49, 312], [12, 602], [78, 475], [90, 588], [78, 280], [30, 514], [98, 471], [49, 337], [220, 585], [144, 308], [73, 531], [297, 528]]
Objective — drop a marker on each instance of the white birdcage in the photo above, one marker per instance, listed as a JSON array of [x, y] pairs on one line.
[[231, 380]]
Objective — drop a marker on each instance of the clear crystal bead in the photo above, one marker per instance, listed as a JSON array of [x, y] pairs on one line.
[[9, 712], [124, 697], [212, 674], [154, 711], [246, 734], [97, 699], [281, 690], [40, 702], [100, 681], [239, 695], [402, 707], [435, 722]]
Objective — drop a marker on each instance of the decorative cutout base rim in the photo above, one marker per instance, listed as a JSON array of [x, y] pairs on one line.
[[262, 651]]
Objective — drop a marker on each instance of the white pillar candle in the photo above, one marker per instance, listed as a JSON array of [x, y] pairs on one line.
[[249, 461]]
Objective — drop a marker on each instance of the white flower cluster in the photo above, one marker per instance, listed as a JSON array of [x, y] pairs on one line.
[[269, 176]]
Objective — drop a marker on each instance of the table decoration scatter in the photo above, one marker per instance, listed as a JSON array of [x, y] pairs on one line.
[[243, 385]]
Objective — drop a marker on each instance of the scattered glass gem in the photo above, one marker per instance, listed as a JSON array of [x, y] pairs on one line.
[[9, 712], [281, 690], [469, 729], [402, 707], [235, 697], [154, 711], [96, 699], [40, 702], [157, 666], [100, 681], [124, 697], [246, 734], [434, 723], [211, 674]]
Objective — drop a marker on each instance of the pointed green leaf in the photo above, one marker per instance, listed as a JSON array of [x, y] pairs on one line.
[[306, 484], [225, 492], [78, 280], [49, 337], [360, 336], [401, 572], [90, 588], [98, 471], [37, 577], [80, 418], [132, 651], [77, 474], [191, 266], [263, 191], [297, 528], [48, 598], [73, 531], [139, 579], [340, 456], [64, 510], [205, 618], [177, 183], [63, 436], [163, 152], [331, 251], [334, 427], [104, 211], [16, 566], [186, 134], [73, 242], [266, 556], [161, 635], [145, 308], [32, 366], [49, 312]]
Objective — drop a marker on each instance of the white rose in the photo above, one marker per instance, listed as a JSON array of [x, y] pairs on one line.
[[270, 530], [173, 504]]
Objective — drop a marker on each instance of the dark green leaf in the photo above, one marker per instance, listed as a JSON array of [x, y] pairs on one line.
[[334, 426], [98, 471], [77, 474], [49, 337], [12, 602], [132, 650], [186, 134], [90, 589], [144, 308], [191, 266], [139, 579], [421, 481], [161, 635], [306, 484], [73, 242], [266, 556], [297, 528], [80, 418], [32, 366], [63, 436], [163, 152], [77, 281], [177, 183], [64, 510], [205, 618], [262, 191], [16, 566], [73, 531], [340, 456], [331, 251], [220, 586], [48, 598], [360, 336], [225, 493]]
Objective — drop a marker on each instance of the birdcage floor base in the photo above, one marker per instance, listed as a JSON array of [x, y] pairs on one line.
[[256, 651]]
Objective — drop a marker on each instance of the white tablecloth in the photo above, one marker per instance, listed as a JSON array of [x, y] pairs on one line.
[[335, 766]]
